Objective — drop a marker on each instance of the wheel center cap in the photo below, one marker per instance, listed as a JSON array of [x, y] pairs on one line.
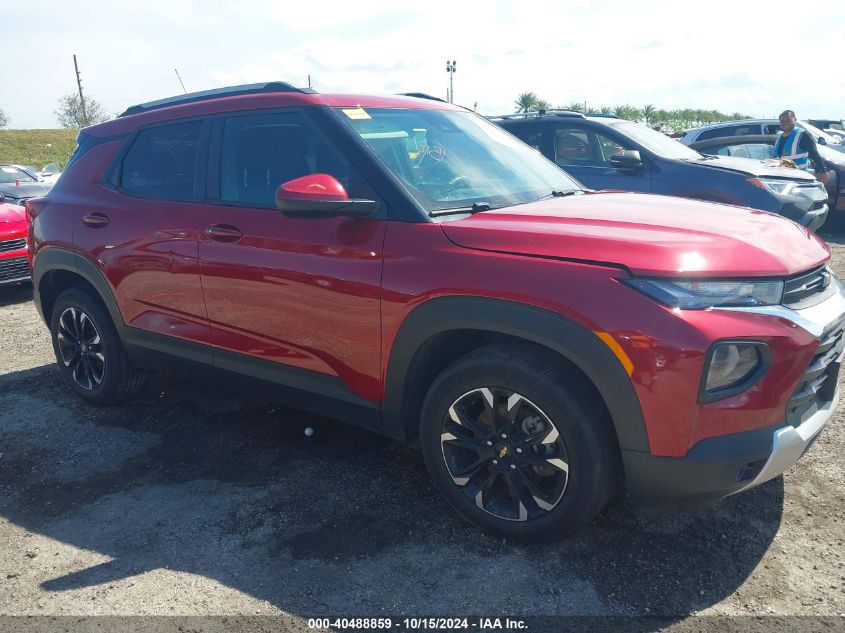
[[503, 451]]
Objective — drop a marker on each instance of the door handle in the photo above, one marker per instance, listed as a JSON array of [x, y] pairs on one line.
[[224, 233], [96, 219]]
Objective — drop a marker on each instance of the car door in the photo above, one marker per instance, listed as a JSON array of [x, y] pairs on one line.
[[141, 231], [585, 152], [292, 298]]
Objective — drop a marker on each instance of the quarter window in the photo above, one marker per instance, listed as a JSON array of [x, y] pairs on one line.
[[162, 162]]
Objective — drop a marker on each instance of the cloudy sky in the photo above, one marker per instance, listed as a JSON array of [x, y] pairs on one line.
[[754, 57]]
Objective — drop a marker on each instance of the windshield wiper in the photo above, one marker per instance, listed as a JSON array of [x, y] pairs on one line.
[[559, 194], [475, 208]]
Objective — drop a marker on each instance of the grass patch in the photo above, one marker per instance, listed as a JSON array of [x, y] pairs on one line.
[[37, 147]]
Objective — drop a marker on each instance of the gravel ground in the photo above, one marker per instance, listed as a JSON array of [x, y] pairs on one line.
[[192, 501]]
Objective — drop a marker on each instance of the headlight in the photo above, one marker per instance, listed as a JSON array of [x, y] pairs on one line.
[[732, 367], [784, 187], [695, 294]]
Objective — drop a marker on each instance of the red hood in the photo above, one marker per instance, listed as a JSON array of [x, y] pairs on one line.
[[11, 213], [650, 235]]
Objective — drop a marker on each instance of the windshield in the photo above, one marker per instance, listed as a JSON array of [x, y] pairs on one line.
[[452, 160], [11, 174], [831, 153], [656, 142], [812, 129]]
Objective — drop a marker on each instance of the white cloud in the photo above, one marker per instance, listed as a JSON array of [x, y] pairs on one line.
[[722, 55]]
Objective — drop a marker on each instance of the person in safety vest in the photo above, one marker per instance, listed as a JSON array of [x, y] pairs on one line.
[[799, 146]]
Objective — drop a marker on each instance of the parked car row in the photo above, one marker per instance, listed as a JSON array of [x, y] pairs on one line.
[[18, 185], [757, 127], [605, 152], [410, 267]]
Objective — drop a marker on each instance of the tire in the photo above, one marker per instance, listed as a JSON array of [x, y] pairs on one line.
[[88, 349], [550, 465]]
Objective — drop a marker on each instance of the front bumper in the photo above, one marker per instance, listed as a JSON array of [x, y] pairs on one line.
[[14, 269], [808, 207], [720, 466]]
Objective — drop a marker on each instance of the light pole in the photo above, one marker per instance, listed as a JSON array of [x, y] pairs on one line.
[[450, 68]]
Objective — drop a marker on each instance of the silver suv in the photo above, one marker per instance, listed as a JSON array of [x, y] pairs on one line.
[[754, 127]]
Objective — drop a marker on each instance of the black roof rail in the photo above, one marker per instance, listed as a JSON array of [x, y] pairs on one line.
[[231, 91], [421, 95], [538, 113]]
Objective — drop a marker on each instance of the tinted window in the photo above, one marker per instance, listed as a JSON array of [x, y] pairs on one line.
[[573, 147], [609, 146], [729, 130], [577, 146], [262, 151], [162, 162]]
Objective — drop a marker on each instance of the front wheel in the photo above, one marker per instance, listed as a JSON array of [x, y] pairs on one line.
[[518, 444]]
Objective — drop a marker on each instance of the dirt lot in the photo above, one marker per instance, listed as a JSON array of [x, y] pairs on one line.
[[194, 501]]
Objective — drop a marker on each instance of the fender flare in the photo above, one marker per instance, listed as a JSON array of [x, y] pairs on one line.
[[56, 258], [537, 325]]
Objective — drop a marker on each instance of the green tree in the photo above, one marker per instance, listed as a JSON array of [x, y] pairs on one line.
[[71, 114], [649, 112], [542, 104], [526, 102], [575, 106], [4, 120]]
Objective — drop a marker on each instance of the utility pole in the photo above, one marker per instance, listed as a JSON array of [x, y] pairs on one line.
[[309, 81], [81, 98], [450, 68], [180, 81]]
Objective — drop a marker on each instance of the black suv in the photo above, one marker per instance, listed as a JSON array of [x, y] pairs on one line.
[[605, 152]]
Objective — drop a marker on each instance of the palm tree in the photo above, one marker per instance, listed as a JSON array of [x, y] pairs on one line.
[[576, 106], [648, 113], [606, 110], [542, 104], [526, 102]]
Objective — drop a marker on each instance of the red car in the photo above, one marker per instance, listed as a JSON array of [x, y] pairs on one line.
[[409, 267], [14, 259]]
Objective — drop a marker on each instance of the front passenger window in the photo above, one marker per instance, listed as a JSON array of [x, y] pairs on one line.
[[262, 151]]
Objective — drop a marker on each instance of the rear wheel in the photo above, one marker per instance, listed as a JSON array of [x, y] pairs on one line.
[[517, 444], [88, 349]]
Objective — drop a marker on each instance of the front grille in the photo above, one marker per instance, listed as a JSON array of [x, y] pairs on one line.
[[818, 384], [807, 288], [14, 269], [12, 245], [818, 204]]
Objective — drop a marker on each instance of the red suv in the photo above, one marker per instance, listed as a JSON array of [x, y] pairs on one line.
[[409, 267], [14, 260]]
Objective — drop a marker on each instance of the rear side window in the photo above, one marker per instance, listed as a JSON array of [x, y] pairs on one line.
[[162, 162]]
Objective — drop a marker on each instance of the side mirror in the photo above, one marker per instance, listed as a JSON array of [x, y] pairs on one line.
[[2, 197], [628, 159], [822, 140], [319, 196]]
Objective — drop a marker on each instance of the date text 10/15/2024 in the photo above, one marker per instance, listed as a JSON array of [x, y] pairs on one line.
[[418, 624]]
